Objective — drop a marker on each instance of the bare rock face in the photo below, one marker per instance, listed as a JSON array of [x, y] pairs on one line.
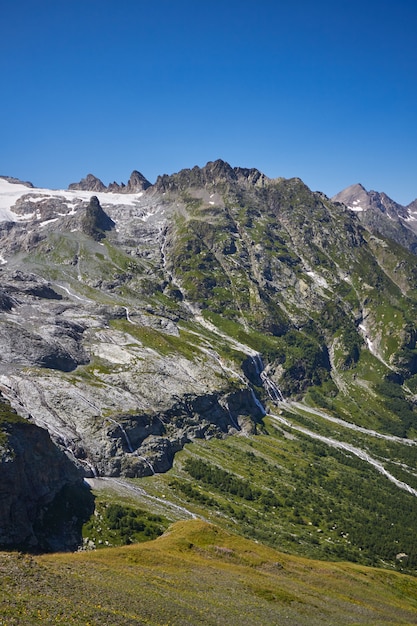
[[43, 500], [89, 183], [33, 332], [137, 182], [412, 207], [133, 408], [95, 221]]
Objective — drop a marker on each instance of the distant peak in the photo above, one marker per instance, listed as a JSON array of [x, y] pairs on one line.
[[89, 183], [357, 198], [137, 182], [353, 193], [353, 189]]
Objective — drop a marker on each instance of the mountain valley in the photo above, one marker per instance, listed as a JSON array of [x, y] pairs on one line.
[[216, 348]]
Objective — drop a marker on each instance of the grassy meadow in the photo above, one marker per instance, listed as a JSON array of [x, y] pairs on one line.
[[197, 573]]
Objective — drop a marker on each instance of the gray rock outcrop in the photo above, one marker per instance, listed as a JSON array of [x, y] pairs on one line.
[[43, 500]]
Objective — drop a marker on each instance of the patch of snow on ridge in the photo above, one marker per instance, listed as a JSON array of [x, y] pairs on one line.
[[2, 260], [10, 193]]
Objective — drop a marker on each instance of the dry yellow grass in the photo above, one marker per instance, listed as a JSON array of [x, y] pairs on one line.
[[199, 574]]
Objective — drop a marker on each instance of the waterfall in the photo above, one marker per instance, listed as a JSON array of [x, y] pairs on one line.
[[257, 402], [232, 419], [272, 389], [92, 468], [125, 435], [148, 463], [258, 363], [129, 445]]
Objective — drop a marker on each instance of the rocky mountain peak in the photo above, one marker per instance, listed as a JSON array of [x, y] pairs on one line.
[[137, 182], [194, 319], [357, 198], [213, 173], [89, 183], [354, 197], [380, 214]]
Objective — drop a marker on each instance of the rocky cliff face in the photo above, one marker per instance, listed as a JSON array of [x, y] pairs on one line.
[[43, 500], [206, 296]]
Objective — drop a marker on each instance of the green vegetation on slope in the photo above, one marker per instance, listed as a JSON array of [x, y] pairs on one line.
[[117, 524], [296, 493]]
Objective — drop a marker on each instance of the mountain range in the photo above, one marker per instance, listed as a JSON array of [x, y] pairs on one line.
[[219, 345]]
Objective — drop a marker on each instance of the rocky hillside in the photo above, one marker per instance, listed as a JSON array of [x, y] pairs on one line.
[[132, 323], [43, 501]]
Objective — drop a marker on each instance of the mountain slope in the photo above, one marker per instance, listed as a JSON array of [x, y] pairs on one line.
[[198, 574], [213, 298]]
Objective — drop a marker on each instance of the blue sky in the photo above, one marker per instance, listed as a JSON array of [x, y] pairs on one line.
[[326, 91]]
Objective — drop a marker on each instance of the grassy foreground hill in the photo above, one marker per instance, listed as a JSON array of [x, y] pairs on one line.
[[197, 573]]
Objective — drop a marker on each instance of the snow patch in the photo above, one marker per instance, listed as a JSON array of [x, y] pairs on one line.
[[147, 215], [368, 341], [10, 193], [42, 224], [318, 279]]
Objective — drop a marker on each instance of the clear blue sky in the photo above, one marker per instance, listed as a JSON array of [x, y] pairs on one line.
[[326, 91]]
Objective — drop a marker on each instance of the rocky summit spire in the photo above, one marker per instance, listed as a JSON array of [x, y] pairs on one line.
[[137, 182], [95, 221], [89, 183]]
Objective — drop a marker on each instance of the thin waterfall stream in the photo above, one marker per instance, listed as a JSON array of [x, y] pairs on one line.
[[129, 444]]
